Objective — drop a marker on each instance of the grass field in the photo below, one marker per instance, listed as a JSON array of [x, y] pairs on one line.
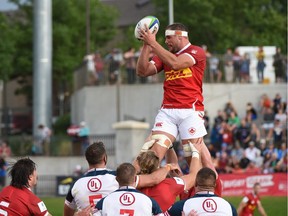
[[274, 206]]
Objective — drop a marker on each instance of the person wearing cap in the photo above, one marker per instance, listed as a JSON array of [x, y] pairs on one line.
[[182, 109]]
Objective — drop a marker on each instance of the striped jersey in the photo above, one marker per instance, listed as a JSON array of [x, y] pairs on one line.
[[93, 186]]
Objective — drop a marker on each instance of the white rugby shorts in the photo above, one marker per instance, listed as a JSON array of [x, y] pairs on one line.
[[187, 123]]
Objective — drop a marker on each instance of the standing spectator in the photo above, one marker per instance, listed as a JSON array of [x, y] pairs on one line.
[[214, 70], [18, 198], [228, 65], [204, 200], [91, 69], [250, 202], [99, 67], [279, 66], [260, 55], [245, 69], [127, 200], [83, 135], [237, 60], [45, 136], [114, 60], [182, 108], [130, 65], [208, 55]]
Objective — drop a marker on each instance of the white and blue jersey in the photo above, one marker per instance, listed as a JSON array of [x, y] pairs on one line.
[[89, 189], [205, 203], [127, 201]]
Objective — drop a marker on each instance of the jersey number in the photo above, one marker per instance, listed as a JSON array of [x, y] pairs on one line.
[[94, 199], [128, 212]]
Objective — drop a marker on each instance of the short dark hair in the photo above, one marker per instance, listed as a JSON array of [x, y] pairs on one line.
[[20, 172], [206, 178], [95, 153], [125, 174], [177, 26]]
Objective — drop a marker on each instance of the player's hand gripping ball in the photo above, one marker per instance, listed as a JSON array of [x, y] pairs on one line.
[[152, 23]]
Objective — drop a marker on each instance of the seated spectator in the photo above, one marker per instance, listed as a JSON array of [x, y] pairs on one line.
[[269, 152], [250, 110], [236, 169], [262, 147], [265, 103], [229, 107], [267, 122], [253, 153], [282, 151], [276, 134], [223, 163], [252, 168], [243, 133], [270, 164], [282, 164], [237, 153], [227, 135], [233, 122], [255, 134], [5, 150]]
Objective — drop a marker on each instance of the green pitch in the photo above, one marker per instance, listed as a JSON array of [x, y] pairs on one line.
[[273, 205]]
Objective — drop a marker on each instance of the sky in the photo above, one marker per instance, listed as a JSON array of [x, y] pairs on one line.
[[6, 5]]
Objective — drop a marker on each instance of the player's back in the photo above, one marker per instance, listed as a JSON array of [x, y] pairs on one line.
[[128, 201], [205, 203], [93, 186], [15, 201]]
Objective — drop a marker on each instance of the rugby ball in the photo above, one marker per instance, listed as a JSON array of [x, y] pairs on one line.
[[151, 21]]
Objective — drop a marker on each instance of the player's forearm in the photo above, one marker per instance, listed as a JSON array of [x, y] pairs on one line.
[[154, 178], [143, 61], [171, 156], [167, 57]]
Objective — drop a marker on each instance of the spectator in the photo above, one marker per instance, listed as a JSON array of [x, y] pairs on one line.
[[251, 111], [245, 69], [45, 136], [250, 202], [277, 133], [237, 153], [268, 122], [252, 168], [130, 65], [127, 200], [229, 107], [269, 152], [277, 103], [253, 153], [204, 188], [265, 103], [99, 67], [260, 55], [282, 151], [270, 164], [214, 70], [282, 164], [18, 198], [228, 66], [243, 133], [91, 69], [255, 133], [237, 65], [83, 134], [5, 150], [279, 66], [114, 60], [233, 122]]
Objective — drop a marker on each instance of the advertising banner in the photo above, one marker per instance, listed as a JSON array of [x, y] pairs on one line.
[[239, 184]]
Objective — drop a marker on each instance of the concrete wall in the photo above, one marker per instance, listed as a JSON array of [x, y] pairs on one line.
[[98, 105]]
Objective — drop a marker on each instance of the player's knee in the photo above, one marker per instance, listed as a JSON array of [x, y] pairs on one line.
[[162, 140]]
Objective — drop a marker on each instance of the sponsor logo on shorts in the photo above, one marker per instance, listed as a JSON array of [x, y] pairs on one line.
[[209, 205], [159, 124], [127, 199], [192, 130]]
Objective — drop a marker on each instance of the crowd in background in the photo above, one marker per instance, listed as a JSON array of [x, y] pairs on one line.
[[230, 67], [255, 143]]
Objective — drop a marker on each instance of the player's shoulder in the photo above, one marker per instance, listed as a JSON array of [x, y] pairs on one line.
[[195, 50]]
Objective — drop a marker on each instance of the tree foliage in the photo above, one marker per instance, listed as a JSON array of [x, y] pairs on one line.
[[68, 33], [225, 23]]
